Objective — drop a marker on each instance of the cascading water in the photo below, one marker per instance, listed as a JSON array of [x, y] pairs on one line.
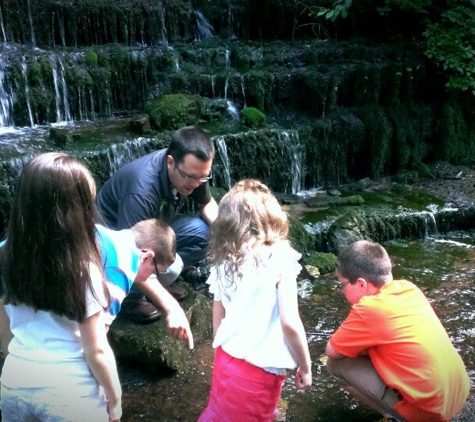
[[204, 28], [120, 154], [223, 151], [228, 59], [27, 91], [2, 27], [61, 90], [6, 99]]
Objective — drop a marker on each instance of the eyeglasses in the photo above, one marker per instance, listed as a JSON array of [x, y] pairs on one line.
[[154, 263], [197, 179], [341, 285]]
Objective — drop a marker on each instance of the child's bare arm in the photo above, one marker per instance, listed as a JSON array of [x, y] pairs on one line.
[[5, 333], [294, 333], [178, 325], [218, 314]]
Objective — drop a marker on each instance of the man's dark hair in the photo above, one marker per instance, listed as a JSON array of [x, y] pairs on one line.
[[191, 140]]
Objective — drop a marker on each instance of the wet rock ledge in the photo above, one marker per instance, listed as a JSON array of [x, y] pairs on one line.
[[149, 346]]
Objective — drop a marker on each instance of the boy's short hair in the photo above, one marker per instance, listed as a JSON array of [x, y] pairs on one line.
[[158, 236], [365, 259]]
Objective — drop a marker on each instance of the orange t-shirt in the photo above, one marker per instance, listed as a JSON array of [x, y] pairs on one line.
[[409, 348]]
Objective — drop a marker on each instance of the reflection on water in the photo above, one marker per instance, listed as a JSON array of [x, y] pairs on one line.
[[444, 268]]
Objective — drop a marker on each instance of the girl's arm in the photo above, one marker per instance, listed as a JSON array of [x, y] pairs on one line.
[[101, 361], [294, 333], [5, 333], [218, 314]]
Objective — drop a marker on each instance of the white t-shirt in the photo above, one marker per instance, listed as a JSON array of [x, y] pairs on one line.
[[251, 329], [46, 350]]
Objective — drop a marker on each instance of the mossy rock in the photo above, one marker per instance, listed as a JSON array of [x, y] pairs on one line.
[[324, 261], [252, 117], [328, 201], [349, 228], [300, 239], [150, 346], [91, 58], [173, 111]]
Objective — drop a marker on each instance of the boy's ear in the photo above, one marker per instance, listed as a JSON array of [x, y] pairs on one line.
[[363, 283], [146, 255]]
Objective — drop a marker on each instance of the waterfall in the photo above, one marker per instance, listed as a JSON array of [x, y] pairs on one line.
[[120, 154], [228, 59], [223, 153], [61, 28], [212, 85], [291, 147], [226, 84], [27, 91], [59, 116], [91, 95], [161, 11], [61, 90], [204, 28], [32, 29], [431, 223], [67, 114], [243, 89], [6, 100], [232, 110], [2, 26], [82, 104]]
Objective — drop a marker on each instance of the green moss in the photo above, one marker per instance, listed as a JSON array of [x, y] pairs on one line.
[[46, 69], [455, 144], [325, 262], [299, 238], [252, 117], [173, 111], [34, 73], [91, 58], [259, 88]]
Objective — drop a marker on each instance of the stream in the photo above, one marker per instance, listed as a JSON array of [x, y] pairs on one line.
[[442, 266]]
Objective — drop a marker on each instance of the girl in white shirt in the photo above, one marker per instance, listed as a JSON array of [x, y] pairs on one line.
[[59, 365], [258, 333]]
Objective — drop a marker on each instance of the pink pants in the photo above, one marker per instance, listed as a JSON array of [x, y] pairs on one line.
[[241, 392]]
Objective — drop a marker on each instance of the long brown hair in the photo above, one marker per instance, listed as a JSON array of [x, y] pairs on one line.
[[249, 217], [51, 239]]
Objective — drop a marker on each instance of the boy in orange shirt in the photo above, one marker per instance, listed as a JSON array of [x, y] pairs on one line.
[[392, 352]]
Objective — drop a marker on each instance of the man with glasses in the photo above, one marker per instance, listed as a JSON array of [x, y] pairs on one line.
[[158, 185]]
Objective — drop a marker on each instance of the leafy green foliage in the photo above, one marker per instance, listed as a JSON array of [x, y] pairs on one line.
[[447, 36], [451, 44], [338, 9]]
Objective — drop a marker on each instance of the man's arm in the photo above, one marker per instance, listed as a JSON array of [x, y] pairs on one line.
[[177, 322], [209, 211]]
